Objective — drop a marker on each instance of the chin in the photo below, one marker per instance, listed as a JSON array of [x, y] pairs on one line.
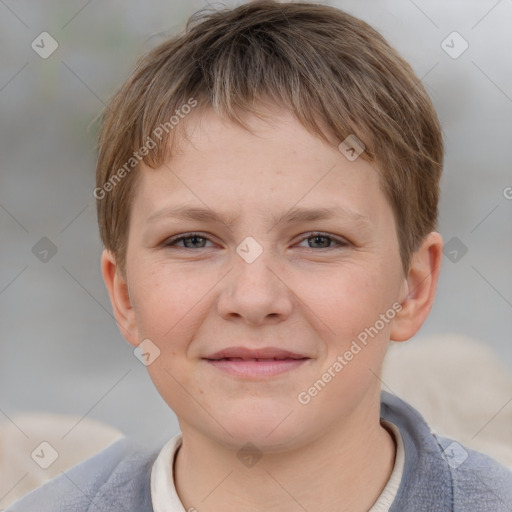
[[269, 428]]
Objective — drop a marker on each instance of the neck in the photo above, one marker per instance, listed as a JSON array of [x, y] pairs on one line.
[[343, 470]]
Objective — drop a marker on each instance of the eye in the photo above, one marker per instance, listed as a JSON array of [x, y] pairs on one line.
[[323, 241], [192, 241], [198, 241]]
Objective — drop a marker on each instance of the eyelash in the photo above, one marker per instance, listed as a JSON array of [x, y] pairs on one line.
[[340, 242]]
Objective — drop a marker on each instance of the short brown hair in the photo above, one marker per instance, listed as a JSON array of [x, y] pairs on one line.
[[314, 60]]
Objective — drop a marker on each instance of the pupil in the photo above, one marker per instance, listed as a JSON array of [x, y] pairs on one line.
[[319, 237], [190, 241]]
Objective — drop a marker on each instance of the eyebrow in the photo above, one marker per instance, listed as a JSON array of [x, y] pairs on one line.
[[294, 215]]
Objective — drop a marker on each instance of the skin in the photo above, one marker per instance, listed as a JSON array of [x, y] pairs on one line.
[[303, 294]]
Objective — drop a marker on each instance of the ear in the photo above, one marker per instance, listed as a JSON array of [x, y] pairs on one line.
[[419, 288], [120, 298]]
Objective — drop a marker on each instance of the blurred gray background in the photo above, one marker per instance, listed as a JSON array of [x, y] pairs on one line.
[[60, 349]]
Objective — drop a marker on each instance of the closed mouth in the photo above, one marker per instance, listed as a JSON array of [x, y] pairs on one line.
[[262, 359], [241, 353]]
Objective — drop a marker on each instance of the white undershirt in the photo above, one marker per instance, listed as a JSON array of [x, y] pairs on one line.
[[387, 496], [165, 498]]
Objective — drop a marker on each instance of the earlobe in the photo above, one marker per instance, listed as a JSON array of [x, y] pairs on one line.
[[119, 297], [419, 288]]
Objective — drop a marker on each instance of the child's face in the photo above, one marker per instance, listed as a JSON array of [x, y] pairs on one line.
[[303, 294]]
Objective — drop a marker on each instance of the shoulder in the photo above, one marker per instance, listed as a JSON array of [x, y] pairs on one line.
[[118, 478], [442, 474], [479, 482], [84, 438]]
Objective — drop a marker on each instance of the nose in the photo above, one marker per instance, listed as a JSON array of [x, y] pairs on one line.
[[255, 292]]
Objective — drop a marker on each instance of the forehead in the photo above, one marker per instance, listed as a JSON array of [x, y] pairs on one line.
[[276, 166]]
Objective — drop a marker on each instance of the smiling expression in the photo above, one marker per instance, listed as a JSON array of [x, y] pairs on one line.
[[323, 263]]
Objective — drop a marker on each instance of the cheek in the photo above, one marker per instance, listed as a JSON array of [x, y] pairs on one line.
[[167, 309], [164, 301], [356, 342], [351, 299]]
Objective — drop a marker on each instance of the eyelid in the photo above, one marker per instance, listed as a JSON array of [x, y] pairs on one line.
[[168, 242], [341, 242]]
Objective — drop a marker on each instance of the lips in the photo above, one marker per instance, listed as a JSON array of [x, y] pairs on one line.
[[247, 354], [255, 364]]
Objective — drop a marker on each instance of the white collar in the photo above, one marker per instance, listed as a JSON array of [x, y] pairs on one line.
[[165, 498]]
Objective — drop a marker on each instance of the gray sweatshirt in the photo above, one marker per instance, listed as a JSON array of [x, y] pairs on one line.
[[440, 475]]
